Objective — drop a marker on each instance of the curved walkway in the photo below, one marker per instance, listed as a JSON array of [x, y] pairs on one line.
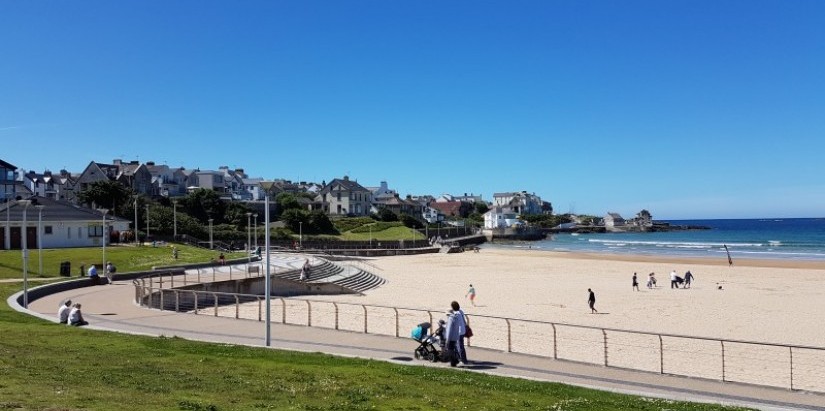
[[112, 308]]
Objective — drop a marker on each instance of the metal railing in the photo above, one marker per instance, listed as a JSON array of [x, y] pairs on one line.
[[795, 367]]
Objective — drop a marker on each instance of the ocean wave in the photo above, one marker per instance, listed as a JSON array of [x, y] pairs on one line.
[[678, 244]]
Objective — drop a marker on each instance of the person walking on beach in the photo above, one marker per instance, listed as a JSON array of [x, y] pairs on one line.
[[591, 300], [688, 279], [636, 282], [673, 281], [472, 294]]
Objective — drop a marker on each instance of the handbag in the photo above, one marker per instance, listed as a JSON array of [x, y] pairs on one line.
[[468, 332]]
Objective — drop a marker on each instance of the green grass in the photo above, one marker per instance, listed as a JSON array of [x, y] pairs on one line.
[[125, 257], [46, 366], [386, 234]]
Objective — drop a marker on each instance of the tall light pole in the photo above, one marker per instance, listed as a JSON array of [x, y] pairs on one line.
[[249, 237], [301, 234], [210, 234], [40, 238], [175, 219], [268, 280], [25, 246], [103, 211], [255, 216], [7, 234], [136, 222]]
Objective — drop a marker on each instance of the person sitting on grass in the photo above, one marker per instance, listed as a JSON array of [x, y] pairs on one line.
[[76, 317], [63, 312]]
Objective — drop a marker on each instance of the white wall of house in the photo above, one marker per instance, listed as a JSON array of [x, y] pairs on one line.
[[76, 233], [497, 218]]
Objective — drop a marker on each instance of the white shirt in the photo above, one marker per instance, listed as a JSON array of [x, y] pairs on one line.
[[74, 315], [92, 271], [673, 276], [63, 313]]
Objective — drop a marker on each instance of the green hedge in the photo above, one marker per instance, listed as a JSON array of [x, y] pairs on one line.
[[350, 223], [377, 226]]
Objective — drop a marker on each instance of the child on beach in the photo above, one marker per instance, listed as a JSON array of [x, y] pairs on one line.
[[472, 294]]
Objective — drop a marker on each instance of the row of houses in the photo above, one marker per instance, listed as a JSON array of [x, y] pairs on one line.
[[341, 196]]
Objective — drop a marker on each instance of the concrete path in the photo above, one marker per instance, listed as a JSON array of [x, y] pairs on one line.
[[112, 308]]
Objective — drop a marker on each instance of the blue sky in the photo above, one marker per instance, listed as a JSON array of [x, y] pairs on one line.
[[690, 109]]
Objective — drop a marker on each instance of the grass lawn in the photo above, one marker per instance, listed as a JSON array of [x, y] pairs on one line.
[[125, 257], [389, 234], [47, 366]]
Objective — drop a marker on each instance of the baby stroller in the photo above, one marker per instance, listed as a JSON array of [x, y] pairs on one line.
[[428, 347]]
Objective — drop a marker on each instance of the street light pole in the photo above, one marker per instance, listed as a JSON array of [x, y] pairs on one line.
[[175, 219], [256, 229], [210, 234], [103, 211], [249, 238], [268, 281], [40, 238], [136, 222], [25, 204]]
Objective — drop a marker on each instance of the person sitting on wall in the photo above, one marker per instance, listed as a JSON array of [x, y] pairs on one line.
[[93, 275]]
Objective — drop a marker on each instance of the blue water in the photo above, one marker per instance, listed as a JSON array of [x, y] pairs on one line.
[[792, 238]]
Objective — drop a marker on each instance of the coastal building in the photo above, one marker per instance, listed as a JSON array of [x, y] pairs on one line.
[[343, 196], [501, 217], [458, 209], [613, 221], [397, 205], [62, 224], [431, 215], [135, 176], [252, 189], [8, 181], [95, 172], [520, 202], [382, 193]]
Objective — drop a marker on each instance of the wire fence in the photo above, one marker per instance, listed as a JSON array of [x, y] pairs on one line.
[[794, 367]]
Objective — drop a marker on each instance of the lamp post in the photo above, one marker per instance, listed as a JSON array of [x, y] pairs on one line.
[[255, 216], [268, 280], [40, 238], [7, 234], [301, 234], [249, 237], [175, 220], [210, 234], [25, 204], [103, 212], [136, 222]]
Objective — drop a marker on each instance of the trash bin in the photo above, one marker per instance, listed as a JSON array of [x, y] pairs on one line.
[[66, 269]]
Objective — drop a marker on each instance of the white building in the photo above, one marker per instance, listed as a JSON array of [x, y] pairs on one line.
[[520, 203], [501, 217], [62, 225]]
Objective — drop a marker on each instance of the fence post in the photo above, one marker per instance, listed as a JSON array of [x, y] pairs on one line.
[[172, 279], [790, 351], [213, 274], [195, 294], [150, 295], [237, 306], [215, 296], [259, 308], [555, 345], [185, 280], [160, 306], [605, 347], [336, 314], [283, 311], [431, 316], [177, 301], [365, 318], [396, 322], [661, 356], [309, 314], [509, 339], [199, 275], [723, 359]]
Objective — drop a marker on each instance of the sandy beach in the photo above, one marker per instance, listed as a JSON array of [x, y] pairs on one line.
[[760, 300]]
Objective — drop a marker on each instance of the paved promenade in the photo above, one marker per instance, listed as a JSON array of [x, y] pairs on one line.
[[112, 308]]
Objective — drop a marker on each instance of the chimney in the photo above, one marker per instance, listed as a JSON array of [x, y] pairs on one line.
[[346, 178], [150, 163], [117, 161]]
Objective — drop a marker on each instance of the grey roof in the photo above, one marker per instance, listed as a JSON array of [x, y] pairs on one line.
[[53, 211], [346, 183]]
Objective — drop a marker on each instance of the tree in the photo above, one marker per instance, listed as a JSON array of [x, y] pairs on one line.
[[320, 223], [481, 207], [385, 214], [204, 204], [410, 221], [294, 218], [107, 194], [287, 201]]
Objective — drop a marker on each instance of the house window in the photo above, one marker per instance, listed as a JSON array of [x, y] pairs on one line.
[[339, 196], [95, 231], [69, 233], [47, 229]]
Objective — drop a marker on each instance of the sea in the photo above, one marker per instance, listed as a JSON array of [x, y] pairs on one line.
[[768, 238]]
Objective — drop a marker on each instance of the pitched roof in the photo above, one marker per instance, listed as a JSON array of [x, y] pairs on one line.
[[346, 185], [53, 211]]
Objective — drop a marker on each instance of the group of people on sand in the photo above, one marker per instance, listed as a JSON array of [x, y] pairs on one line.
[[675, 280], [70, 314]]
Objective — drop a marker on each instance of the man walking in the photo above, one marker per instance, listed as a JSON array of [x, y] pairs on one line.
[[673, 282], [591, 300], [636, 283], [688, 279]]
